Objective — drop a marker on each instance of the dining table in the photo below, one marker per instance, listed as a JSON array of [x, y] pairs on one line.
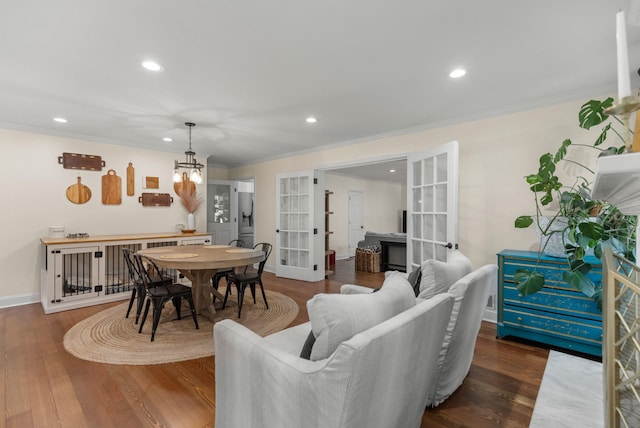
[[198, 263]]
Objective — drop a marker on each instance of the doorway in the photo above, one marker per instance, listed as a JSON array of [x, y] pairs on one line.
[[230, 211], [356, 220], [367, 196], [246, 211]]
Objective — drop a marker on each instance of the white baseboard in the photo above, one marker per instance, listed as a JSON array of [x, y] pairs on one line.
[[490, 315], [19, 300]]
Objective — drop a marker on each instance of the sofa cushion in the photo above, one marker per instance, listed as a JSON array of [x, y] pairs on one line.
[[414, 279], [338, 317], [438, 276], [308, 346]]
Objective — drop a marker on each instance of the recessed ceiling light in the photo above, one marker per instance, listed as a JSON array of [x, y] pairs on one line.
[[311, 119], [167, 139], [458, 72], [60, 119], [392, 170], [152, 66]]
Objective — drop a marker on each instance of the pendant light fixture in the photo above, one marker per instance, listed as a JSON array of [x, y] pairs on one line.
[[191, 164]]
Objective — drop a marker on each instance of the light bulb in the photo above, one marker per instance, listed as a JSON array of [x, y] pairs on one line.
[[177, 177], [196, 176]]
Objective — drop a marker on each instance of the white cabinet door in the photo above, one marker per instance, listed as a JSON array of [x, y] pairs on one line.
[[432, 204], [222, 209], [76, 273]]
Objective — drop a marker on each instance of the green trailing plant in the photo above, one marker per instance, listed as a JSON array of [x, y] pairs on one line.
[[589, 225]]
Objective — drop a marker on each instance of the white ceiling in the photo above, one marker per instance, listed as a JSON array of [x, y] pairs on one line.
[[249, 72]]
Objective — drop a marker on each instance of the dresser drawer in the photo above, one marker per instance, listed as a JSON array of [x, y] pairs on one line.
[[569, 302], [553, 324], [552, 271]]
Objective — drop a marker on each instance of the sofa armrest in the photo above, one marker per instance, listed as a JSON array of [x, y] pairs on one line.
[[279, 386], [355, 289]]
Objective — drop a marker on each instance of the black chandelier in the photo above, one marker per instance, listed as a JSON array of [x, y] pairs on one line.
[[191, 164]]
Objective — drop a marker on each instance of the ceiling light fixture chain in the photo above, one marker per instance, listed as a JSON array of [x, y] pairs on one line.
[[194, 167]]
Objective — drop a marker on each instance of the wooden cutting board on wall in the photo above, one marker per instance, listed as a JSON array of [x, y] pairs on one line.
[[78, 193], [130, 180], [185, 185], [111, 188]]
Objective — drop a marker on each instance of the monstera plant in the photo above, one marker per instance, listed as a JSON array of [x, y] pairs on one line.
[[587, 225]]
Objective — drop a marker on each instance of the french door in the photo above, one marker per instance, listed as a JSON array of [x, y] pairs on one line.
[[297, 226], [432, 203]]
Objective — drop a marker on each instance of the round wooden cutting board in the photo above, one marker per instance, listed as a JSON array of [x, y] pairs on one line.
[[78, 193]]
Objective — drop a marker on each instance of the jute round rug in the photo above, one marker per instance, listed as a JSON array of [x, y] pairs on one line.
[[109, 337]]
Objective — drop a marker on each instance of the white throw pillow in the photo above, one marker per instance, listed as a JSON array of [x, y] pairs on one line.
[[438, 276], [338, 317]]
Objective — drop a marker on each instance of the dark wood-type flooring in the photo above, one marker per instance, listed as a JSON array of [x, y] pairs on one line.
[[41, 385]]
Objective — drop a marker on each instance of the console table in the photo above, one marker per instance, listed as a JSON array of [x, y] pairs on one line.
[[557, 315], [78, 272]]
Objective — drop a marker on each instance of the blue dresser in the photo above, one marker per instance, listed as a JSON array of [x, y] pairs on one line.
[[557, 315]]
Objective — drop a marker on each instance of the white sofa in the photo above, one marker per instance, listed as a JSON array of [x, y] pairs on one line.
[[379, 377], [412, 360], [471, 290]]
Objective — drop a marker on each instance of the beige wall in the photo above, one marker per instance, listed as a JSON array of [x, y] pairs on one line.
[[217, 173], [34, 198], [383, 205], [495, 154]]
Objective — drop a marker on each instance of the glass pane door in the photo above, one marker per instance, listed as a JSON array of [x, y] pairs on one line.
[[295, 226], [433, 203]]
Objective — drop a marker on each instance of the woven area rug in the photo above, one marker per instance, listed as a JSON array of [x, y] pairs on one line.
[[109, 337]]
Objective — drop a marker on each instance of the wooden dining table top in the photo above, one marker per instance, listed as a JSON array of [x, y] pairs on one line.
[[202, 257]]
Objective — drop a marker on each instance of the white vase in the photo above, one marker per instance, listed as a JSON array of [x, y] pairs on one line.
[[554, 241], [191, 222]]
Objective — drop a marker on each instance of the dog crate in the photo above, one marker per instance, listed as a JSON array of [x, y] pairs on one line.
[[78, 272]]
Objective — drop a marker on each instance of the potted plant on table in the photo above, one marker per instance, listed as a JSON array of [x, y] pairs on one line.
[[567, 213]]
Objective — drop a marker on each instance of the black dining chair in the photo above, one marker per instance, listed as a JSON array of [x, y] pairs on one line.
[[160, 294], [137, 289], [224, 272], [248, 278]]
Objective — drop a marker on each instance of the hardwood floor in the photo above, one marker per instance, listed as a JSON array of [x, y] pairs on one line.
[[41, 385]]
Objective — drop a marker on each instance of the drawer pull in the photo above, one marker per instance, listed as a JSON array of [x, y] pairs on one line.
[[520, 295], [519, 319]]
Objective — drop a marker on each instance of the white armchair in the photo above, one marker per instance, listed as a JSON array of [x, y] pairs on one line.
[[378, 378], [471, 293]]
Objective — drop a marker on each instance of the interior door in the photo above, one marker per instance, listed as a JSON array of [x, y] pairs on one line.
[[356, 220], [297, 238], [432, 204], [222, 209]]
